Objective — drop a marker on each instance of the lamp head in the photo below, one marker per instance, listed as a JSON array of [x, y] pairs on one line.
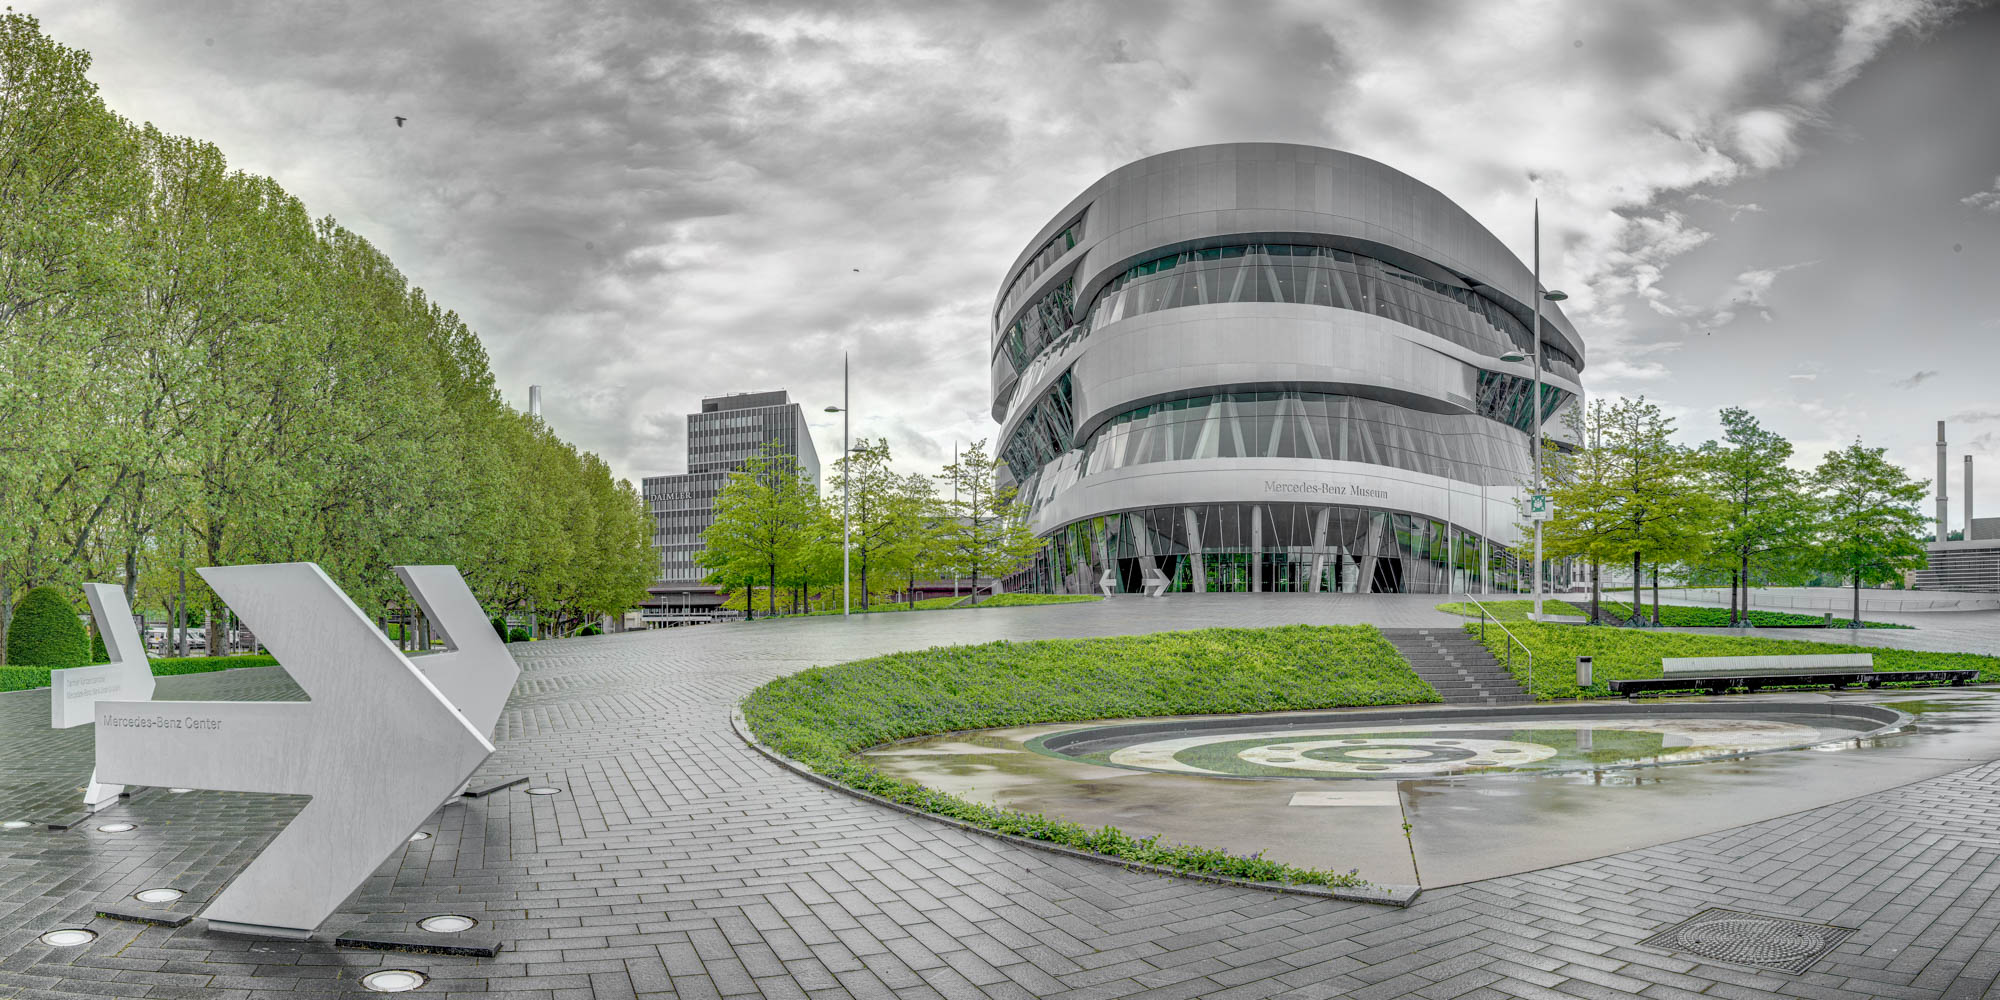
[[1514, 356], [1554, 295], [833, 409]]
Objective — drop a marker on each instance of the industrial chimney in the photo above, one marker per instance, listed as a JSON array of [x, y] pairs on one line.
[[535, 410], [1968, 498], [1944, 506]]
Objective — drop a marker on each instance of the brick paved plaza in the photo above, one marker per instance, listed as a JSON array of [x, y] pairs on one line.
[[677, 862]]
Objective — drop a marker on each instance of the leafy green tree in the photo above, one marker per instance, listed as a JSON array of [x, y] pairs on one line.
[[1767, 509], [198, 372], [1873, 523], [919, 551], [47, 632], [766, 516], [1582, 485], [984, 531]]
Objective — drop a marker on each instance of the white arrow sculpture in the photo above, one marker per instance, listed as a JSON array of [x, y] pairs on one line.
[[75, 692], [476, 672], [378, 748]]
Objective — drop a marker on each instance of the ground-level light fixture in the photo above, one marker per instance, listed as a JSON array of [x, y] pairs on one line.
[[68, 937], [448, 923], [180, 791], [117, 828], [544, 790], [161, 894], [419, 835], [14, 824], [394, 980]]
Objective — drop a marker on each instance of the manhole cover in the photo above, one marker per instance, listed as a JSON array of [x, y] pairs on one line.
[[1774, 943]]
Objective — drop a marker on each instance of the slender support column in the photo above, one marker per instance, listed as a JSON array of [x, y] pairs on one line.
[[1200, 572]]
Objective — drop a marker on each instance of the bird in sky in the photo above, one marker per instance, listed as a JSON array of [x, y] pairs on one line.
[[400, 120]]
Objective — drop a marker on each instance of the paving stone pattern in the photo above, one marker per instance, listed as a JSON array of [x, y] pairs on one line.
[[678, 863]]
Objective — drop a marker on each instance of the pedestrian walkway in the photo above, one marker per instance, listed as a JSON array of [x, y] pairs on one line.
[[676, 862]]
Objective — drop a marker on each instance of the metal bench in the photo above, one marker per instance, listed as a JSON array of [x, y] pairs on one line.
[[1717, 674]]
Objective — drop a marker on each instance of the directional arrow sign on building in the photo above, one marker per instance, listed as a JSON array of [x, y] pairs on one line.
[[378, 748], [75, 692], [476, 673]]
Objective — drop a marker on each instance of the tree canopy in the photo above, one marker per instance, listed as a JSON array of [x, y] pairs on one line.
[[199, 372]]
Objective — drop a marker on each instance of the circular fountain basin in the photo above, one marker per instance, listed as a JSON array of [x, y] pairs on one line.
[[1407, 743]]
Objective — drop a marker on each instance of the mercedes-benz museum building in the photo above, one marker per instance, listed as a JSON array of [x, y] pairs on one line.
[[1267, 367]]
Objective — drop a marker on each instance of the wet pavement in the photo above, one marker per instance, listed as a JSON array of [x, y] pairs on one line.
[[1554, 804], [676, 862]]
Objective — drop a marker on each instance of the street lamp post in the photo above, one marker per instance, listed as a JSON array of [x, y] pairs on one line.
[[846, 489], [1534, 359]]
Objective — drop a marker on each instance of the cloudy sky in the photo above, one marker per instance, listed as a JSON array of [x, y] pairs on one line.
[[1791, 206]]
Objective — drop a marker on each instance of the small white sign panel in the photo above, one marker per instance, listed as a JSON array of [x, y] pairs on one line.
[[75, 692]]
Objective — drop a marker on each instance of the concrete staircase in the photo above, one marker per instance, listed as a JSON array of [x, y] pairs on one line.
[[1457, 665]]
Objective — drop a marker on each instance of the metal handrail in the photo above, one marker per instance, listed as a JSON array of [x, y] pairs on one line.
[[1514, 641]]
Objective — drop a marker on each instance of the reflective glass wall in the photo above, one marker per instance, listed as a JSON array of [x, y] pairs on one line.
[[1279, 547]]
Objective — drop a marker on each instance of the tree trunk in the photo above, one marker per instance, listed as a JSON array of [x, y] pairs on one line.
[[180, 612], [1596, 591], [1857, 601], [1656, 595], [1638, 602], [771, 595], [1743, 578], [6, 613], [864, 579]]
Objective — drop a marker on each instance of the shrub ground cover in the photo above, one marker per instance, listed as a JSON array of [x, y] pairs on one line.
[[1632, 654], [28, 678], [824, 716], [1676, 615]]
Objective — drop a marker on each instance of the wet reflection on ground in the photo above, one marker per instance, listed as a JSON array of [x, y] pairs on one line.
[[1572, 789]]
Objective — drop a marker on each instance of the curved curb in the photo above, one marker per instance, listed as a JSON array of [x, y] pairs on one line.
[[1385, 895]]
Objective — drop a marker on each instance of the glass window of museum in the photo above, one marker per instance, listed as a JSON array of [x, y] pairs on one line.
[[1259, 547]]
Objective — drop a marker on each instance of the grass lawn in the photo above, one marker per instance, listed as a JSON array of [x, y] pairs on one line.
[[1631, 654], [823, 716], [1677, 615], [28, 678]]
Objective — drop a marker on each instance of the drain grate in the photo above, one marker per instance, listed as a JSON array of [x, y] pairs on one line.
[[1775, 943]]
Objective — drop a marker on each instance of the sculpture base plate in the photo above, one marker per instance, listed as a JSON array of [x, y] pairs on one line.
[[161, 918], [235, 929], [420, 942]]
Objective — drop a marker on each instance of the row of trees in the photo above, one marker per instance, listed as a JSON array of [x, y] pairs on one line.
[[774, 530], [197, 372], [1733, 509]]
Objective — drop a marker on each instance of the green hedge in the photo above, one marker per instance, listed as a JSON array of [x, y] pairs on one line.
[[45, 631], [823, 716], [1673, 615], [28, 678], [960, 602], [1633, 654]]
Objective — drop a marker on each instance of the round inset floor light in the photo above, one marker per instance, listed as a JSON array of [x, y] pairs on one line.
[[393, 980], [117, 828], [68, 937], [544, 790], [14, 824], [162, 894], [180, 791], [419, 835], [447, 923]]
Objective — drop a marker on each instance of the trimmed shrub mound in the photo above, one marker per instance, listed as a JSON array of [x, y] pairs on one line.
[[45, 632], [28, 678], [1631, 654], [824, 716]]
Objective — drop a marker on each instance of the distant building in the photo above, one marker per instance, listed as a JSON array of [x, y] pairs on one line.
[[727, 432]]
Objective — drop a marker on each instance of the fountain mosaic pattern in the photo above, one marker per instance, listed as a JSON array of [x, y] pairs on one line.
[[1447, 748]]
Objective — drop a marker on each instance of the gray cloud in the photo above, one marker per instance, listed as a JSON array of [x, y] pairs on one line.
[[1988, 200], [637, 204], [1915, 380]]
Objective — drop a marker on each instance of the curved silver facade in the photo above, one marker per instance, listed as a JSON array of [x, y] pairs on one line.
[[1260, 366]]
